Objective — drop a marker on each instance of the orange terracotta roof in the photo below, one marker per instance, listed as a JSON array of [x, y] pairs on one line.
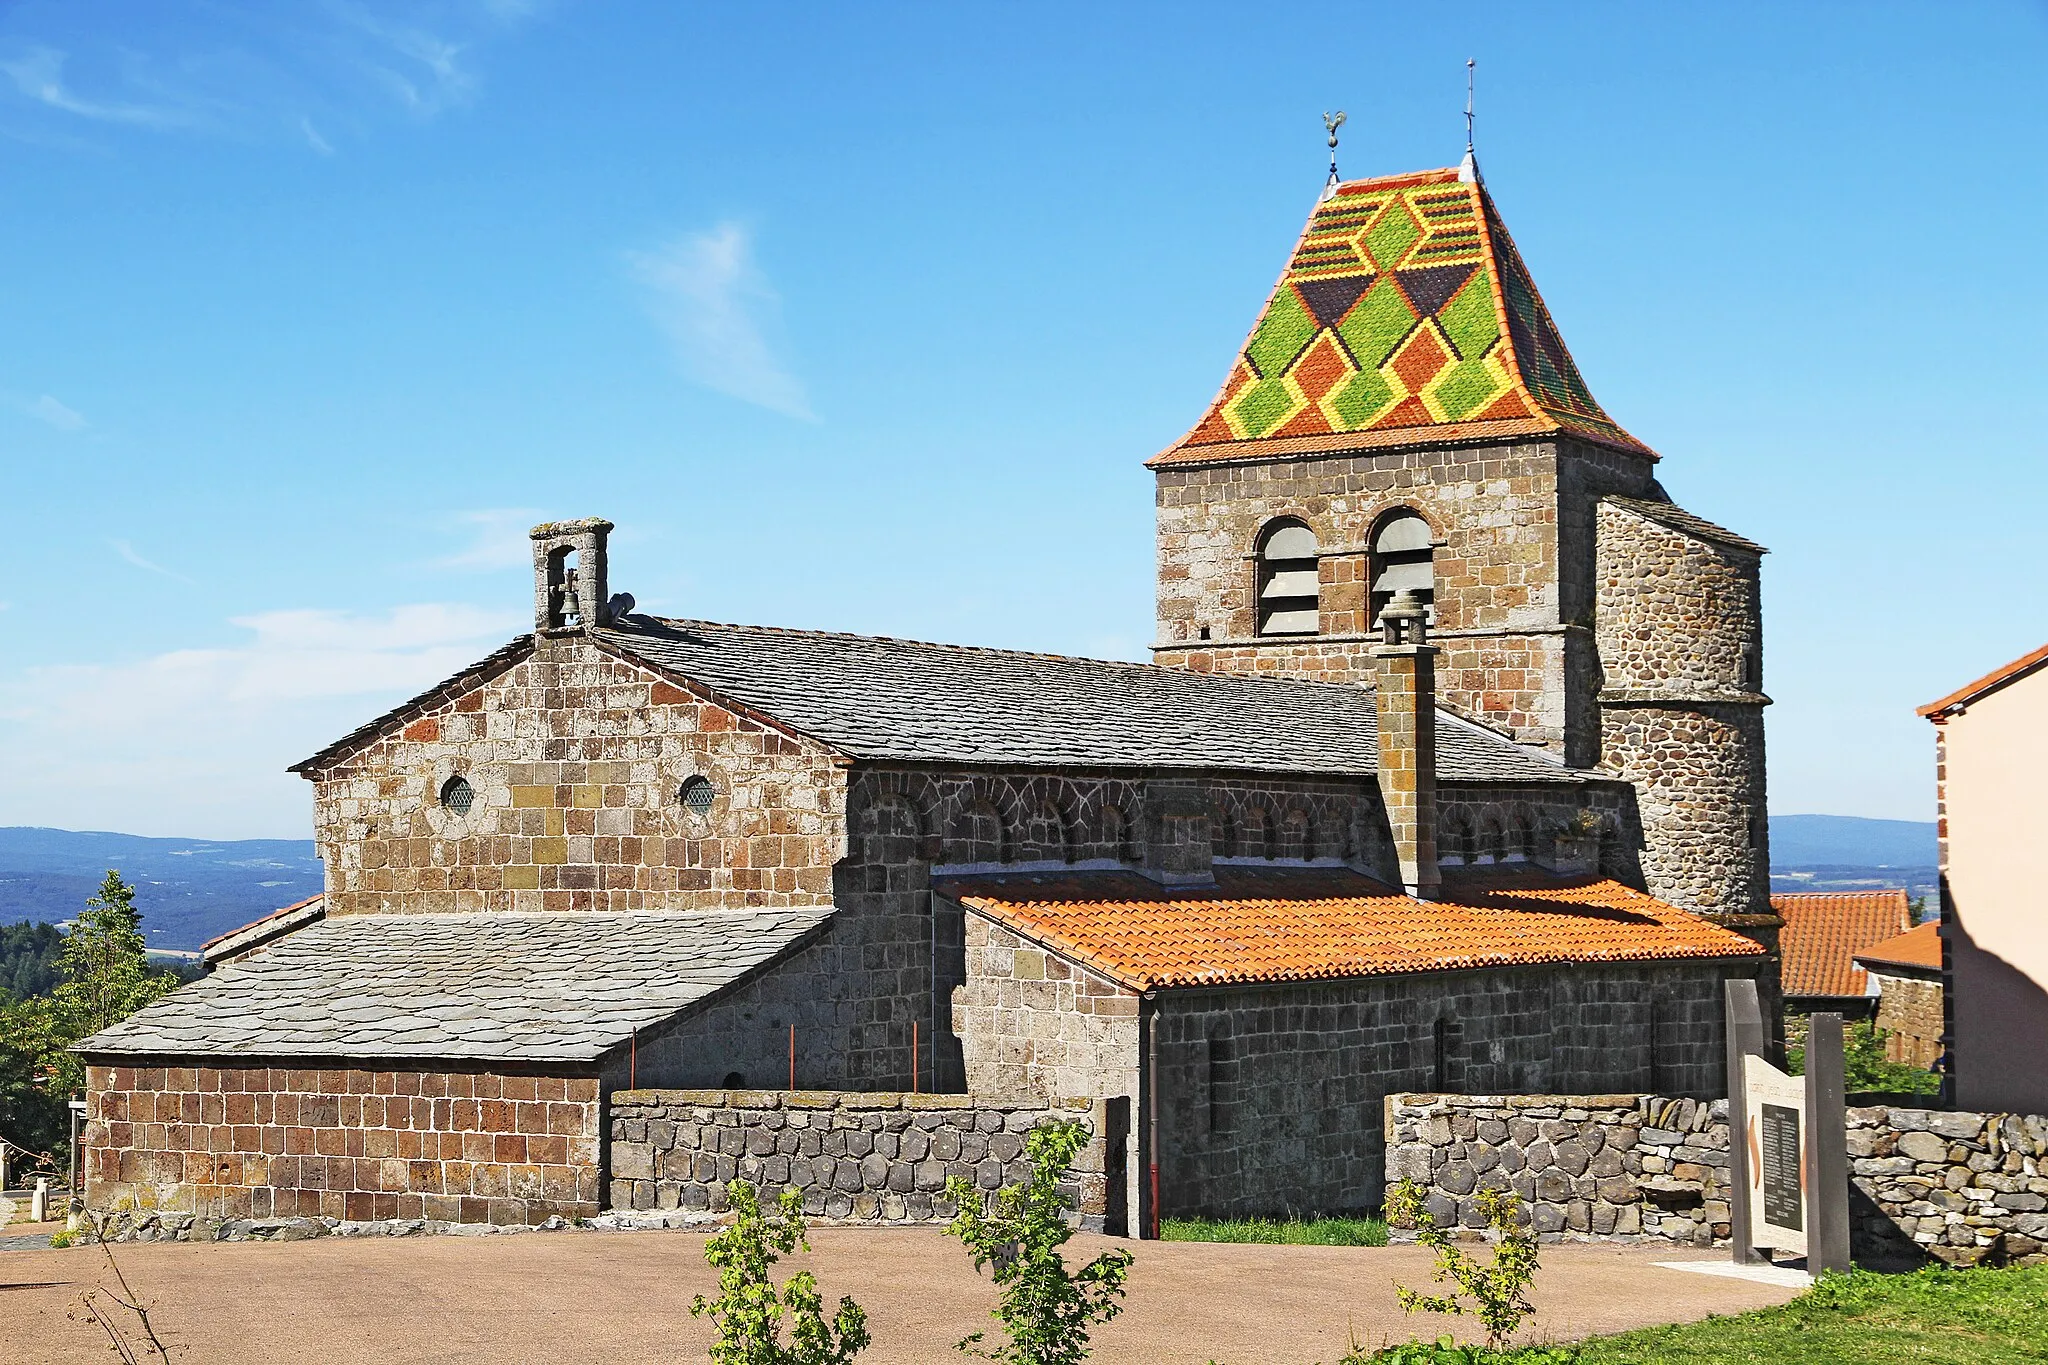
[[1825, 929], [1304, 924], [1996, 678], [1918, 947]]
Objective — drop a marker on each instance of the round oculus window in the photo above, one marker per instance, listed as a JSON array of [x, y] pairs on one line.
[[457, 795], [696, 795]]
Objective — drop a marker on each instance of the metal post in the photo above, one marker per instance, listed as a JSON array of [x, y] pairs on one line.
[[1827, 1146], [1151, 1086], [1745, 1032]]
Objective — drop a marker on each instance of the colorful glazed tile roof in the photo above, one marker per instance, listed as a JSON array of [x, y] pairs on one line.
[[1405, 316], [1919, 948], [1824, 930], [1304, 924]]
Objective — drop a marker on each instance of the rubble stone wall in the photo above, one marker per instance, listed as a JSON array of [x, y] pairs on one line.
[[276, 1142], [1962, 1188], [865, 1158], [1678, 627]]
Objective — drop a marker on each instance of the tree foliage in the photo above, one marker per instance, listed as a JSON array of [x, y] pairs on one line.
[[104, 976], [1045, 1308], [1500, 1289], [1865, 1068], [749, 1309], [28, 959]]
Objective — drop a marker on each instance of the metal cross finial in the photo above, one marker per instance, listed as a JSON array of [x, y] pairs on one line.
[[1331, 123], [1469, 65]]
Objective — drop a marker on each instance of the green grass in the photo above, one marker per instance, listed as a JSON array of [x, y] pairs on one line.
[[1310, 1232], [1955, 1317]]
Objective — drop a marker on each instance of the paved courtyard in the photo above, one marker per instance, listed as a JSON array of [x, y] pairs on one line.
[[624, 1298]]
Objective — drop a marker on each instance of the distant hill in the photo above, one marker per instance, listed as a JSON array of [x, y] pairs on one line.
[[188, 890], [1848, 853], [1814, 840], [192, 889]]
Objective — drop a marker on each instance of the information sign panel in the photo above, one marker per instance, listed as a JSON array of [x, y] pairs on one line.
[[1777, 1149]]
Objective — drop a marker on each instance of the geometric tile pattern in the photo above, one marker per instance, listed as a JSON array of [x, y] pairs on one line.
[[1405, 305]]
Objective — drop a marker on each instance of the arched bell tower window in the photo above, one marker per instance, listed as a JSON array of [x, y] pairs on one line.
[[1288, 602], [1401, 558]]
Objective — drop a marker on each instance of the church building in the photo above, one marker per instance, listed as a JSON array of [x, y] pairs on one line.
[[1447, 775]]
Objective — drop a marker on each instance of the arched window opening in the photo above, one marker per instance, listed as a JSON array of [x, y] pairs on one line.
[[1492, 843], [1288, 602], [1521, 838], [1402, 558], [696, 795], [457, 795]]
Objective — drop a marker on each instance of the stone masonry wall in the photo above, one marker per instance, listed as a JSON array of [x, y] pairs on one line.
[[1512, 564], [1960, 1188], [576, 757], [1679, 632], [277, 1142], [1585, 1166], [1910, 1013], [868, 1158], [1272, 1097]]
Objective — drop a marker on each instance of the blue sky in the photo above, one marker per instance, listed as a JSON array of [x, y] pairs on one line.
[[866, 317]]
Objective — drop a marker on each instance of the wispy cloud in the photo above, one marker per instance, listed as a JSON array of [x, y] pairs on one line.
[[201, 737], [497, 538], [129, 553], [38, 74], [49, 410], [719, 312], [260, 71]]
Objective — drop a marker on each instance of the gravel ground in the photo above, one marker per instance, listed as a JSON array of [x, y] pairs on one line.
[[623, 1298]]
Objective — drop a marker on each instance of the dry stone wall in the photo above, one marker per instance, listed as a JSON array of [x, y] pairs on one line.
[[1961, 1188], [864, 1158]]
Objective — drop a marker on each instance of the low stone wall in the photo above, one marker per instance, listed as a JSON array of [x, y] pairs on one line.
[[1956, 1187], [1624, 1167], [864, 1158]]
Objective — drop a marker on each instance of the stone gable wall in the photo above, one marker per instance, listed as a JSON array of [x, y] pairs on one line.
[[576, 757], [1961, 1188], [863, 1158], [1909, 1011], [276, 1142]]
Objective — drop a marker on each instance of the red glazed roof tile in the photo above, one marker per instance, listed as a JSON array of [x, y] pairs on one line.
[[1918, 947]]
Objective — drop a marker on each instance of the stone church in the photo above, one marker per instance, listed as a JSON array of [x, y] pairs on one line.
[[1448, 774]]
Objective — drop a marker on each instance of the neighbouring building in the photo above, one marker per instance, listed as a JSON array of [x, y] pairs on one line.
[[1448, 775], [1905, 973], [1991, 783], [1823, 933]]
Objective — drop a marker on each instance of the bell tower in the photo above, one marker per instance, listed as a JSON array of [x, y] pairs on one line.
[[1406, 419]]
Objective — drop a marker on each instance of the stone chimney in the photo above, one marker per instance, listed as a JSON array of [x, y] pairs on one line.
[[570, 580], [1405, 668]]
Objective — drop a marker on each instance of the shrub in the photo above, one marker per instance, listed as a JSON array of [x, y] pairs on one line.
[[1499, 1290], [1045, 1308], [1444, 1351], [749, 1308]]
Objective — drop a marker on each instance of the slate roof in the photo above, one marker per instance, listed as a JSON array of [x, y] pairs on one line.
[[871, 697], [1678, 519], [248, 937], [487, 987], [1303, 924], [1824, 930], [1405, 317]]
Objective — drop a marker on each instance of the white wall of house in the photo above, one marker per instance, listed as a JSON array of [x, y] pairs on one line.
[[1995, 804]]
